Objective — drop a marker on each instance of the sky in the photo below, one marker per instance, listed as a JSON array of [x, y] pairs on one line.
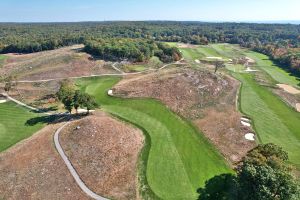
[[137, 10]]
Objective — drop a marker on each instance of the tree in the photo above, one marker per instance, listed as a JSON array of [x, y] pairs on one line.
[[8, 84], [89, 102], [218, 64], [265, 175], [78, 99], [66, 94], [262, 175]]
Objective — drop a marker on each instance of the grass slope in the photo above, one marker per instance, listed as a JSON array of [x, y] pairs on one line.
[[180, 158], [12, 124], [274, 121]]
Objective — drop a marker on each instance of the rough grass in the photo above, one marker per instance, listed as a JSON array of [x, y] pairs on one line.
[[13, 126], [180, 158]]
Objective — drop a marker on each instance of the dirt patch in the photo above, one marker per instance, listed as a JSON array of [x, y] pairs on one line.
[[185, 45], [209, 100], [292, 99], [59, 63], [33, 170], [104, 152], [289, 89]]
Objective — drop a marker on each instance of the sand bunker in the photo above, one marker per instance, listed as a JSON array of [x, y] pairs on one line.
[[3, 101], [250, 136], [246, 123], [245, 119], [217, 58], [298, 107], [84, 111], [250, 60], [289, 89], [110, 92], [250, 70]]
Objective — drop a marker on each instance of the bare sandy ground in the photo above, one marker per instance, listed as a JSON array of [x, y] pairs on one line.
[[289, 89]]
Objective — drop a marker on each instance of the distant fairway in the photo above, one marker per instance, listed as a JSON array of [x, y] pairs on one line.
[[180, 158], [12, 124], [274, 121], [278, 74]]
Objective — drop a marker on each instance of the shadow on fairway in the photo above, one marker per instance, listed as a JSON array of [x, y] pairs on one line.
[[219, 187]]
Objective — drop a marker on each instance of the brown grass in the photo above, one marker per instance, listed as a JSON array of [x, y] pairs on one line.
[[104, 152], [33, 169], [207, 99]]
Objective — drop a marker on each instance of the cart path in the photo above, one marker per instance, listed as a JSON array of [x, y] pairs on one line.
[[71, 169]]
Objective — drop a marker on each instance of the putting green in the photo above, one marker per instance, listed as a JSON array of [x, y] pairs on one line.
[[180, 158], [13, 126]]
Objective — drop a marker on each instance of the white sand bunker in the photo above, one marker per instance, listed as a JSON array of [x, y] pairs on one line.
[[250, 136], [3, 101], [245, 121], [84, 111], [250, 70], [245, 124], [110, 92], [197, 61], [298, 107], [289, 89], [217, 58]]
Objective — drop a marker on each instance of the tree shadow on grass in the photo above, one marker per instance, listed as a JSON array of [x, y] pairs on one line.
[[53, 119], [220, 187]]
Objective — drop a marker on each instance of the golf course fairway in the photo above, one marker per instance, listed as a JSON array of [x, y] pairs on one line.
[[180, 159]]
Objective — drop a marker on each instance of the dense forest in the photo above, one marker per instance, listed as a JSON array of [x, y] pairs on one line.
[[280, 41], [136, 50]]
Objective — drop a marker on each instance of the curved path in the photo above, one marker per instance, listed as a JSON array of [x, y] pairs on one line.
[[101, 75], [73, 172]]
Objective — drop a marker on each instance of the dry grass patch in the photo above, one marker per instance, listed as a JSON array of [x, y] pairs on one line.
[[104, 151]]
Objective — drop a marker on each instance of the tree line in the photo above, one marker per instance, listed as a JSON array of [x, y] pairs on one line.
[[28, 38], [136, 50]]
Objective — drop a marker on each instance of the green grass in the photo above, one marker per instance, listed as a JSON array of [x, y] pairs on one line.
[[274, 121], [135, 68], [2, 59], [180, 159], [12, 124], [278, 74]]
